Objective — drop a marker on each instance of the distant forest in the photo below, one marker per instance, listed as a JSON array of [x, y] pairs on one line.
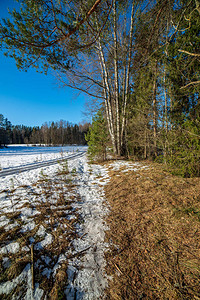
[[52, 133]]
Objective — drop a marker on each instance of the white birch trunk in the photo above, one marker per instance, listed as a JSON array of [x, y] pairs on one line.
[[166, 107], [116, 80], [126, 90], [108, 97], [155, 111]]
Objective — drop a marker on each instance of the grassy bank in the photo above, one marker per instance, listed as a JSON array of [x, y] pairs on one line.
[[154, 235]]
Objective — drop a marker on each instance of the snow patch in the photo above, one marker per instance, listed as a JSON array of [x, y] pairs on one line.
[[86, 272], [47, 241], [11, 226], [41, 231], [28, 227], [4, 221], [10, 248], [128, 165]]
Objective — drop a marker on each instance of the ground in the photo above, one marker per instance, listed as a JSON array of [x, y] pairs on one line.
[[154, 234], [117, 230], [59, 211]]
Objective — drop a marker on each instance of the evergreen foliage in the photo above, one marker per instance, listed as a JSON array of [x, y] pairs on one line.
[[97, 138], [5, 130], [45, 34], [164, 110], [184, 155]]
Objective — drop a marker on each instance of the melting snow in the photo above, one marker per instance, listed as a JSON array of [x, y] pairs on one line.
[[28, 227], [47, 241], [129, 166], [86, 273], [41, 231], [10, 248], [4, 221]]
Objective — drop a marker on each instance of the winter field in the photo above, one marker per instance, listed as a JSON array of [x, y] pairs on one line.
[[52, 224], [18, 155], [58, 209]]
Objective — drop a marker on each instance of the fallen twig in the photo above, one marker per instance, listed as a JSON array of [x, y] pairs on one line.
[[32, 265]]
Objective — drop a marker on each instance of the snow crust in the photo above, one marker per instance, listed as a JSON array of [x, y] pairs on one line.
[[25, 276], [89, 281], [127, 165]]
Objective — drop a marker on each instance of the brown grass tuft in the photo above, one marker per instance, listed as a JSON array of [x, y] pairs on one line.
[[57, 291]]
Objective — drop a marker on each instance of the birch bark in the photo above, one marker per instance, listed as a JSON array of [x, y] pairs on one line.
[[107, 95], [126, 90], [155, 110], [116, 79]]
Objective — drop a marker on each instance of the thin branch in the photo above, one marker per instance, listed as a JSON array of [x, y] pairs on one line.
[[191, 83], [84, 78], [56, 24], [191, 132], [189, 53], [99, 32], [81, 89], [154, 26]]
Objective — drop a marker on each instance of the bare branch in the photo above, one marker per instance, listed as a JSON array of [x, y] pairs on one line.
[[189, 53], [83, 90], [191, 83]]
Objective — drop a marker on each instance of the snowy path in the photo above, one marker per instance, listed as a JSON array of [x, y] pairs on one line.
[[32, 166], [88, 276]]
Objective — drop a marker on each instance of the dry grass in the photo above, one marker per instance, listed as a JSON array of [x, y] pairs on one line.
[[154, 235], [53, 200]]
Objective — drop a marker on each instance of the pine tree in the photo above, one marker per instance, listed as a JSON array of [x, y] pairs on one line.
[[5, 131]]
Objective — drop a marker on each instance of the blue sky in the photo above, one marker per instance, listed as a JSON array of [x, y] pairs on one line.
[[31, 98]]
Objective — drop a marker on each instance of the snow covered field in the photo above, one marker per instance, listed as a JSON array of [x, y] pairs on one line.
[[18, 155]]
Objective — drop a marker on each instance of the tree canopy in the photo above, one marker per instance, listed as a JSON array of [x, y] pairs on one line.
[[46, 33]]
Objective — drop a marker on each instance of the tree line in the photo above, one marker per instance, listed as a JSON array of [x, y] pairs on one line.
[[138, 60], [52, 133]]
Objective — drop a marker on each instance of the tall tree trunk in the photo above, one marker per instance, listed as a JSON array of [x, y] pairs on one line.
[[145, 142], [155, 110], [127, 73], [165, 115], [116, 79], [107, 95]]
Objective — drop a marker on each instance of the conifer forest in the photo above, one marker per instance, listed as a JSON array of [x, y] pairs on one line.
[[50, 133]]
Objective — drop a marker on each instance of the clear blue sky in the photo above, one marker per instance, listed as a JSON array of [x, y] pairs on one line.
[[31, 98]]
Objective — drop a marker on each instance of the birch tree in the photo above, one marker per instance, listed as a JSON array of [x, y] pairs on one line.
[[104, 72]]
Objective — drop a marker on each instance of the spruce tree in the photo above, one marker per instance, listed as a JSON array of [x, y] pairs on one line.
[[97, 138]]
